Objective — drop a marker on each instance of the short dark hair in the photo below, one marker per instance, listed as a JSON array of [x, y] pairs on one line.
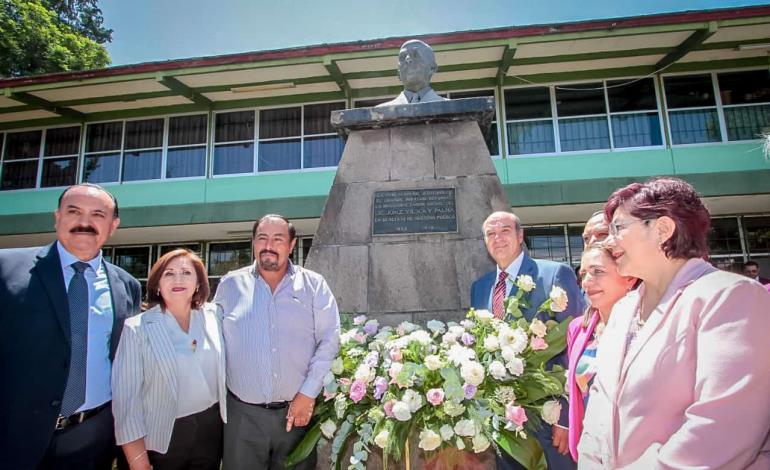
[[750, 263], [674, 198], [115, 212], [292, 230], [153, 280]]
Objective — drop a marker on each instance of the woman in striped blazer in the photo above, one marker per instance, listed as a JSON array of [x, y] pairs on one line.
[[168, 379]]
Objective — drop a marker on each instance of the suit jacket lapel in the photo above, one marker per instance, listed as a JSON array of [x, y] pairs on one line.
[[118, 296], [48, 268], [161, 345]]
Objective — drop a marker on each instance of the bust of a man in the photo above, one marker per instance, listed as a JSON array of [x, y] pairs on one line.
[[416, 65]]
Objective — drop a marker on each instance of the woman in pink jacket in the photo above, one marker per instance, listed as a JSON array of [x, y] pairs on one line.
[[603, 287], [683, 371]]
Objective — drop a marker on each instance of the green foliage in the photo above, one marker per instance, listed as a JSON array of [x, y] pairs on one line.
[[526, 451], [84, 16], [34, 40]]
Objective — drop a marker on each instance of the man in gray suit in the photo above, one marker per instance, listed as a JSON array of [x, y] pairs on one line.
[[416, 66]]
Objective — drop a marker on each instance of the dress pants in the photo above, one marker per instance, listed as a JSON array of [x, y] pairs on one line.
[[256, 438], [196, 443], [555, 460], [89, 445]]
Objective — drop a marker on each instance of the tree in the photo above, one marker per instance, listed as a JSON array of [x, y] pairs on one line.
[[34, 39], [84, 16]]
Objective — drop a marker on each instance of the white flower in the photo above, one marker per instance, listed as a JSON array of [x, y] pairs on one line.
[[446, 432], [538, 328], [525, 283], [515, 338], [559, 298], [465, 427], [449, 339], [491, 343], [347, 336], [456, 330], [505, 394], [381, 439], [401, 411], [458, 354], [508, 353], [429, 440], [436, 326], [337, 366], [420, 336], [459, 443], [497, 370], [327, 428], [433, 362], [480, 443], [453, 409], [340, 405], [365, 373], [484, 315], [413, 400], [551, 411], [515, 366], [472, 372]]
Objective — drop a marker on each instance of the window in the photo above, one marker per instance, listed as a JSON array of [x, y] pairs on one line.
[[186, 155], [102, 155], [135, 260], [301, 250], [634, 113], [48, 154], [757, 232], [225, 257], [234, 143], [20, 159], [492, 143], [546, 242], [60, 157], [724, 237], [194, 247], [529, 122], [745, 99], [692, 111], [575, 237], [582, 117], [143, 150]]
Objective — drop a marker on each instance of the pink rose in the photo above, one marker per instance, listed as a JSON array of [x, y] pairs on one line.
[[395, 355], [515, 414], [328, 396], [357, 390], [344, 381], [360, 338], [388, 408], [394, 370], [435, 396], [538, 344]]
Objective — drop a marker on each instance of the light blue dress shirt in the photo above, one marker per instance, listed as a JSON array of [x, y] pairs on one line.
[[100, 318], [513, 271], [277, 343]]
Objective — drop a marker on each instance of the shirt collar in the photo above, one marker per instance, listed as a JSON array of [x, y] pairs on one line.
[[421, 93], [68, 258], [513, 268]]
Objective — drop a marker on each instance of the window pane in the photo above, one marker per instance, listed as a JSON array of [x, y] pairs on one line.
[[103, 137], [144, 134], [282, 122], [689, 91], [139, 166], [757, 230], [231, 127], [23, 145], [575, 244], [636, 130], [322, 151], [101, 168], [194, 247], [187, 130], [135, 260], [636, 96], [317, 118], [546, 243], [186, 162], [584, 134], [747, 122], [59, 172], [579, 100], [744, 87], [530, 137], [19, 175], [527, 103], [279, 155], [691, 127], [234, 159], [471, 94], [491, 140], [226, 257], [723, 237], [62, 141]]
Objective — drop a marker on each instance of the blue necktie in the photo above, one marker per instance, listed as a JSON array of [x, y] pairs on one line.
[[77, 293]]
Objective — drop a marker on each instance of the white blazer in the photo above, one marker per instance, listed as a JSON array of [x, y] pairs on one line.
[[144, 378]]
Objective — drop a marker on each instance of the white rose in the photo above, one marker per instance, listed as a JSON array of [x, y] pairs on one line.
[[480, 443], [458, 354], [347, 336], [420, 336], [456, 330], [364, 373], [497, 370], [459, 443], [491, 343], [433, 362], [551, 411], [446, 432], [453, 409], [538, 328], [465, 427], [327, 428], [429, 440], [413, 400], [515, 366], [449, 339], [401, 411], [559, 298], [337, 366], [508, 353], [436, 326], [525, 283], [472, 372], [515, 338], [381, 439], [484, 315]]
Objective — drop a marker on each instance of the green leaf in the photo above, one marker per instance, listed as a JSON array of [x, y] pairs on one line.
[[305, 446], [557, 342], [453, 389], [526, 451]]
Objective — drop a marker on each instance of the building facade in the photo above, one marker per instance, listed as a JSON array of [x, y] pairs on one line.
[[197, 149]]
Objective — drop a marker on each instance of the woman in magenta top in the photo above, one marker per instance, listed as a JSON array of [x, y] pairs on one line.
[[603, 287]]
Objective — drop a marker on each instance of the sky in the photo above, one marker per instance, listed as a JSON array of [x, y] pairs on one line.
[[155, 30]]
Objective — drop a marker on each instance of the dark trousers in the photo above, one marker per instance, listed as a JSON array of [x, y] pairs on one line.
[[256, 438], [89, 445], [555, 460], [196, 443]]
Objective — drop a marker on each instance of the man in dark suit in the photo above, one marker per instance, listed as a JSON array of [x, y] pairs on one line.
[[61, 314], [751, 270], [504, 236]]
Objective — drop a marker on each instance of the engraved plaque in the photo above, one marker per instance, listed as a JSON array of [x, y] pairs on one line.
[[414, 211]]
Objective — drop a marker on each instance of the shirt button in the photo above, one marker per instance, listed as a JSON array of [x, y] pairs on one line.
[[275, 375]]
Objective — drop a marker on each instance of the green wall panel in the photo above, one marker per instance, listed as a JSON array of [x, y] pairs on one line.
[[720, 158]]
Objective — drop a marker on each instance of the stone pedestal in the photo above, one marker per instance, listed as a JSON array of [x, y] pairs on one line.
[[408, 276]]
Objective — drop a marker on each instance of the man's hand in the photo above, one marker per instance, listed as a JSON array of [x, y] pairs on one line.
[[300, 411], [560, 437]]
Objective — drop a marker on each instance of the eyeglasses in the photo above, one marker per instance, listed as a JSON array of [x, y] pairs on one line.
[[616, 227]]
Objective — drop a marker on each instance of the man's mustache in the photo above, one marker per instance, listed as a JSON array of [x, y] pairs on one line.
[[84, 229], [266, 251]]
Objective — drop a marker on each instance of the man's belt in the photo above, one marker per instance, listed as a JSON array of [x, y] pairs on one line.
[[64, 422], [274, 405]]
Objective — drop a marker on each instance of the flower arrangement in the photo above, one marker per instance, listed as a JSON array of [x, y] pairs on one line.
[[464, 385]]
